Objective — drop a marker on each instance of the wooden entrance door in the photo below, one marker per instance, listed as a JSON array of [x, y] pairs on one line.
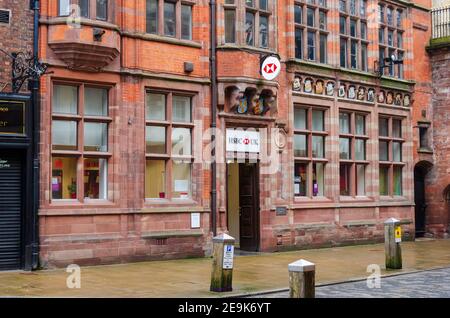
[[249, 207], [419, 197]]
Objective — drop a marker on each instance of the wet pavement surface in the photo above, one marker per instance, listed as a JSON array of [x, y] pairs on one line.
[[191, 277], [427, 284]]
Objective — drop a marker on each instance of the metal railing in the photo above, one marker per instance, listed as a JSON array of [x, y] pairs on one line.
[[440, 22]]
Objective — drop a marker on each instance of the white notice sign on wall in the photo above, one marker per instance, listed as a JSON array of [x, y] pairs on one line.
[[228, 254]]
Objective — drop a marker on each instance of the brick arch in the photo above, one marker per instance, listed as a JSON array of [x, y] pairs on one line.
[[446, 194]]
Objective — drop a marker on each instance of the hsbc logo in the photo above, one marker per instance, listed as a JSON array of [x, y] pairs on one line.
[[270, 68]]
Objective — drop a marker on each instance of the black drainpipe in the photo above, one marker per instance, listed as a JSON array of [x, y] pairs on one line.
[[213, 67], [35, 85]]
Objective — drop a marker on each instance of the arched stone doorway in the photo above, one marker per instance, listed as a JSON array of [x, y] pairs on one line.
[[420, 171]]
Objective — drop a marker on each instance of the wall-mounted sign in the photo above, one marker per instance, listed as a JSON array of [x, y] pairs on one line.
[[398, 234], [239, 140], [270, 68], [12, 117], [228, 254]]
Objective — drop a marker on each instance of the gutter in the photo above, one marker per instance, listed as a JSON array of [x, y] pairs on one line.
[[213, 69]]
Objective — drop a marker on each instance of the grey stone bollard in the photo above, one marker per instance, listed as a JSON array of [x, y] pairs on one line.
[[392, 239], [222, 266], [302, 279]]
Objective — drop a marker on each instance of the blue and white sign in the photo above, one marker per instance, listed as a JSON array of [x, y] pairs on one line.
[[228, 254]]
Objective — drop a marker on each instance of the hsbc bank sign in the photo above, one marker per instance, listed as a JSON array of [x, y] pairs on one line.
[[270, 67], [239, 140]]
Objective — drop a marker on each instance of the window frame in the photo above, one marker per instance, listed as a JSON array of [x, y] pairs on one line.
[[91, 9], [310, 160], [80, 154], [353, 162], [169, 158], [391, 164]]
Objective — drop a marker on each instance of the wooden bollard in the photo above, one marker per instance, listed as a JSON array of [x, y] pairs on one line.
[[392, 239], [302, 279], [222, 266]]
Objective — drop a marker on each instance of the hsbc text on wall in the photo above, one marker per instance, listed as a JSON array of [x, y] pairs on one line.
[[239, 140]]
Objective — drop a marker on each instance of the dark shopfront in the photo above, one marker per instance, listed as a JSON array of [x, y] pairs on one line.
[[17, 220]]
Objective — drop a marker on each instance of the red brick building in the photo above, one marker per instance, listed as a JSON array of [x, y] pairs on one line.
[[319, 156]]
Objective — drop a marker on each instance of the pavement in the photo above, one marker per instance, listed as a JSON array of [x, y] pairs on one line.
[[190, 278], [424, 284]]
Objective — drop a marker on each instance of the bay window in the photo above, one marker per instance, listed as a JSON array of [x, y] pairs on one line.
[[90, 9]]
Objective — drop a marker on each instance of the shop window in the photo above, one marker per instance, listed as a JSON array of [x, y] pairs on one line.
[[353, 161], [391, 157], [311, 30], [353, 34], [169, 150], [309, 151], [173, 13], [79, 160]]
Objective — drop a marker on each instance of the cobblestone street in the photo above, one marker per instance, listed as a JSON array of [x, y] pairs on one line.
[[427, 284]]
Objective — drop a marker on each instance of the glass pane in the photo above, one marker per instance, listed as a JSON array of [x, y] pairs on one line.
[[311, 45], [344, 179], [399, 18], [381, 13], [398, 175], [65, 99], [353, 28], [64, 7], [249, 3], [383, 127], [423, 132], [363, 30], [96, 137], [156, 107], [353, 7], [298, 14], [390, 38], [181, 180], [249, 28], [318, 120], [399, 40], [381, 35], [102, 9], [360, 180], [152, 16], [384, 180], [318, 179], [181, 141], [344, 123], [384, 151], [300, 146], [64, 178], [263, 31], [323, 3], [343, 52], [344, 148], [343, 5], [363, 6], [95, 101], [389, 16], [300, 118], [263, 4], [310, 17], [354, 54], [186, 22], [396, 128], [155, 138], [84, 8], [397, 151], [95, 178], [323, 48], [318, 145], [364, 57], [322, 20], [64, 135], [300, 179], [298, 43], [342, 25], [360, 125], [360, 149], [155, 179], [169, 19], [181, 109], [230, 26]]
